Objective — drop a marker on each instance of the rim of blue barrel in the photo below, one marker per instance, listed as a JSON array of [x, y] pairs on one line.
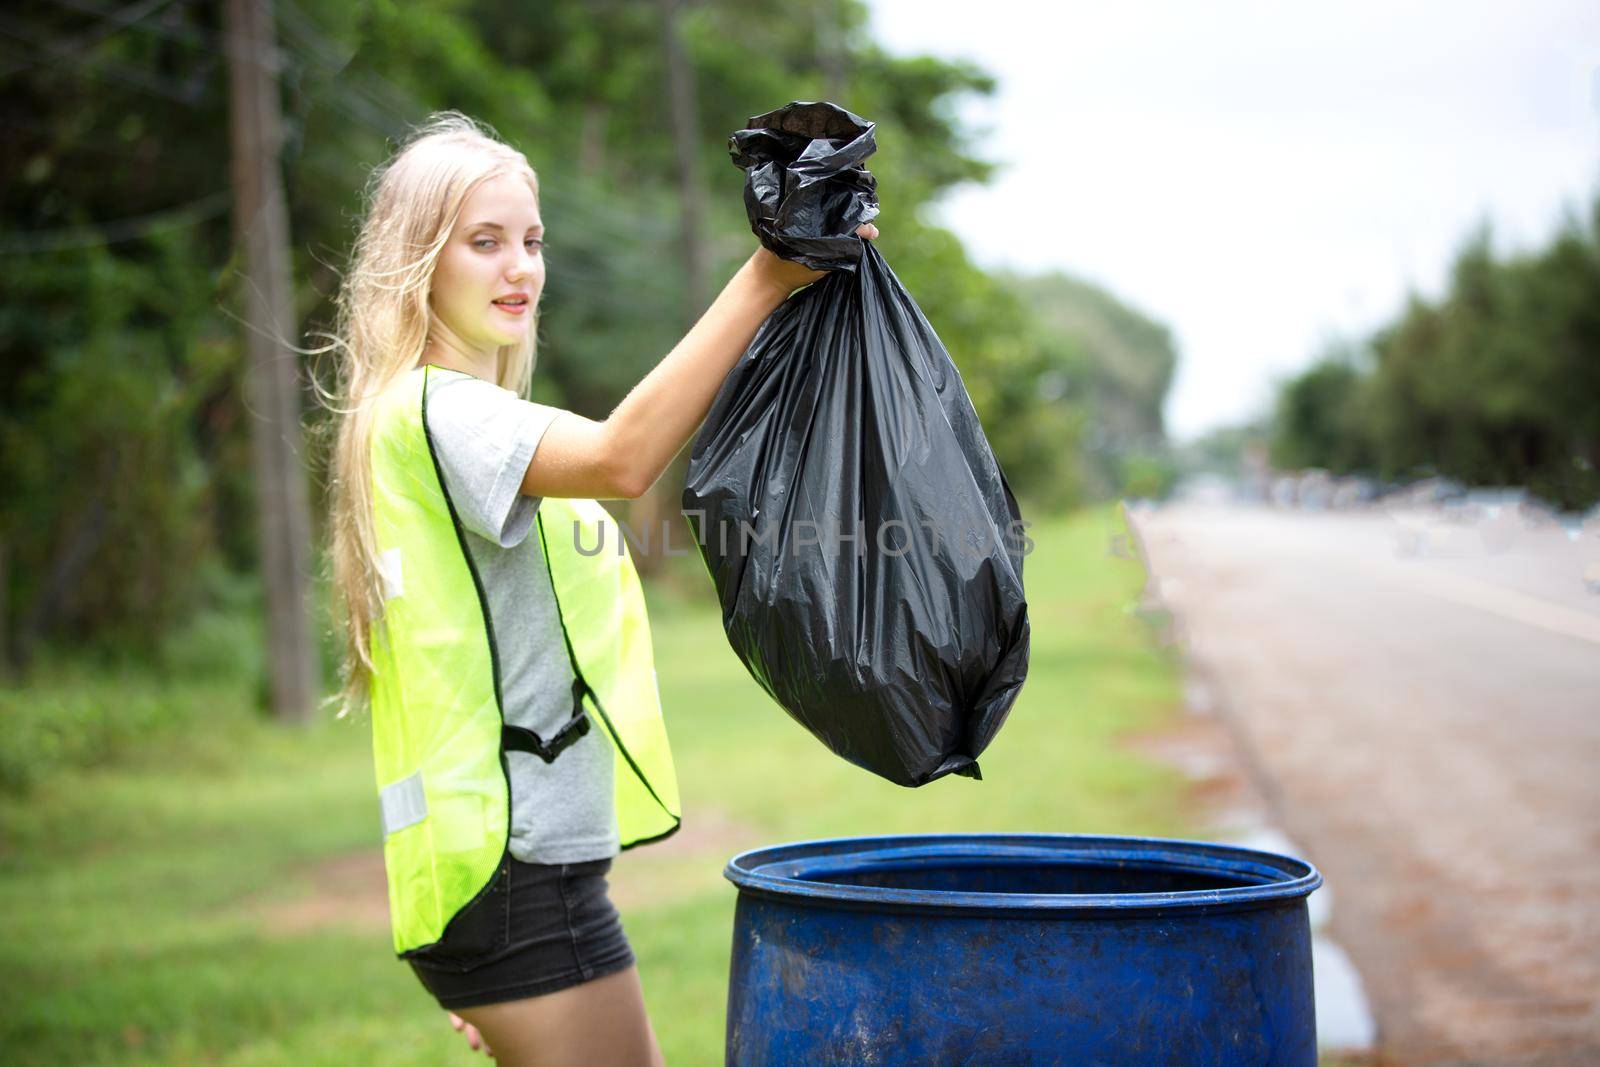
[[789, 871]]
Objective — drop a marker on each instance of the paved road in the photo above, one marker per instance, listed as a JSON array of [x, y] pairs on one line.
[[1428, 728]]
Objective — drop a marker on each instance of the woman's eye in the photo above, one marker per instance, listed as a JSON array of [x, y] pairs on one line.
[[487, 242]]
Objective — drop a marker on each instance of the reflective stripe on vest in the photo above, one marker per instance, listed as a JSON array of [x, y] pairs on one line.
[[438, 729]]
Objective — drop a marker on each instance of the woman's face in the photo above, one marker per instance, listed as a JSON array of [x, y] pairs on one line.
[[493, 254]]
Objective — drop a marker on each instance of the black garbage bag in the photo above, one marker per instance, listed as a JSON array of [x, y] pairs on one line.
[[863, 540]]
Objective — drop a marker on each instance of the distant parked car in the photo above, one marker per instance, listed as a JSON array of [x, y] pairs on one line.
[[1421, 493], [1206, 488], [1354, 490], [1433, 491], [1314, 489]]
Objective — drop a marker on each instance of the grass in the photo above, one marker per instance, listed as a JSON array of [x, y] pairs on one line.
[[134, 892]]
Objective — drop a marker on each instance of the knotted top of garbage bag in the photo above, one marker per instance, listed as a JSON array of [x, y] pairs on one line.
[[805, 189]]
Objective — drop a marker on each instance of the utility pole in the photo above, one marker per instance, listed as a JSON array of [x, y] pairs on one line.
[[261, 231], [684, 109], [662, 502], [831, 54]]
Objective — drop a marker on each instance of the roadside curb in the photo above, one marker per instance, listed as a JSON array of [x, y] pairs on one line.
[[1242, 804]]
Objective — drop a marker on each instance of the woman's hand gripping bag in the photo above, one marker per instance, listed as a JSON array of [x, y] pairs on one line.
[[862, 538]]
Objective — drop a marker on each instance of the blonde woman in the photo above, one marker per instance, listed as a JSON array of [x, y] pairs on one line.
[[442, 298]]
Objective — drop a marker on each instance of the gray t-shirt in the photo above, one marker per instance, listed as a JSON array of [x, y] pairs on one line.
[[484, 436]]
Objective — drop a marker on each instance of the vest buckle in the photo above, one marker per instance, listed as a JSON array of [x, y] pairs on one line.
[[522, 739], [564, 739]]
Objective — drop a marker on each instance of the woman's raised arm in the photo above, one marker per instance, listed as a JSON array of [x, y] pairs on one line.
[[623, 456]]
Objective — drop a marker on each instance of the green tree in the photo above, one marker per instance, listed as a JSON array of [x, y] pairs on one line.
[[1320, 419], [118, 336], [1493, 384], [1113, 366]]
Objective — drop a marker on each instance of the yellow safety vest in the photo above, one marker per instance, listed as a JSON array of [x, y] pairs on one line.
[[439, 735]]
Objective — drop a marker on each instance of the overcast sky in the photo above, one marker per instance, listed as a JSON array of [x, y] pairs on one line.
[[1260, 176]]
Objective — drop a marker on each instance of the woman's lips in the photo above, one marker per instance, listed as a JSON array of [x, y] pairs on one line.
[[511, 309]]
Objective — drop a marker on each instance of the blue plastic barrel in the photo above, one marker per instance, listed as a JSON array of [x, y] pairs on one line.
[[1020, 949]]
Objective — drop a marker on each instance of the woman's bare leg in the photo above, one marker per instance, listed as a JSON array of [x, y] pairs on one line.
[[598, 1022]]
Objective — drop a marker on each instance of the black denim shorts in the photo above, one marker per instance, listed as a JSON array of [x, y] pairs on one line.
[[538, 928]]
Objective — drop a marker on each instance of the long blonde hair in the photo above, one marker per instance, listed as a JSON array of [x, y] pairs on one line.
[[380, 333]]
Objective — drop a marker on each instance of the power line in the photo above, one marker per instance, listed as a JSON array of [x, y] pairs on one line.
[[384, 110], [217, 46], [114, 22], [78, 144], [127, 229], [106, 69]]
